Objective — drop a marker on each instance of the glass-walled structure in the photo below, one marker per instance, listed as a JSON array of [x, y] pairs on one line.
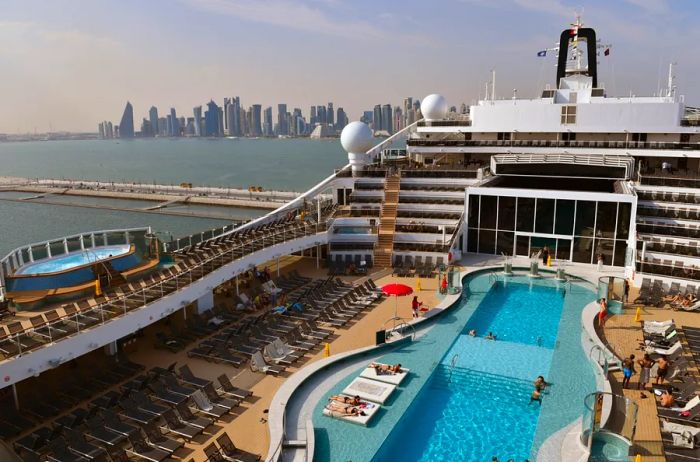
[[575, 226]]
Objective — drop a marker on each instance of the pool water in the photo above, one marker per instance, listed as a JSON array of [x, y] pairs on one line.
[[468, 398], [462, 407], [73, 259], [520, 313]]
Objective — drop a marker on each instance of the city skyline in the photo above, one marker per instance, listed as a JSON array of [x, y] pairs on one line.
[[233, 119], [71, 64]]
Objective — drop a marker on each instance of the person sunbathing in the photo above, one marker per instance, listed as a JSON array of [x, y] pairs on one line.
[[346, 399], [667, 399], [386, 368], [344, 409]]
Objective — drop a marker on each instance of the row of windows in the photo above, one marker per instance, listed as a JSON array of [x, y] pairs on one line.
[[578, 249], [550, 216]]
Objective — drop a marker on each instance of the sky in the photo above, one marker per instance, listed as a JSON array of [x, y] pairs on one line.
[[69, 64]]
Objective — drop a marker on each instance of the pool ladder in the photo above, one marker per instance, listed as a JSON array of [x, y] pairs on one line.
[[453, 364]]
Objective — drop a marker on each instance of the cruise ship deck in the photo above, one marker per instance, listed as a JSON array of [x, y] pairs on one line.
[[245, 332]]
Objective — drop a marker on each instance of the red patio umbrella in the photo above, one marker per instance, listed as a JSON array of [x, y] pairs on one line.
[[397, 290]]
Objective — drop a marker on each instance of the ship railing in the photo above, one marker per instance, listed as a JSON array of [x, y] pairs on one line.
[[36, 251], [209, 260], [659, 145]]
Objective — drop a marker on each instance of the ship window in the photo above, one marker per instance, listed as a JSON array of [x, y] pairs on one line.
[[639, 137], [598, 92], [568, 136], [503, 136], [568, 115], [526, 214], [506, 213]]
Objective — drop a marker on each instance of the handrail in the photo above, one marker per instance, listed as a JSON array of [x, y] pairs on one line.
[[453, 364], [119, 303]]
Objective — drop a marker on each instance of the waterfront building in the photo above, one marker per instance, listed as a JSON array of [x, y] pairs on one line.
[[174, 123], [330, 115], [146, 129], [163, 126], [197, 120], [367, 118], [387, 119], [267, 122], [282, 120], [109, 132], [256, 115], [211, 119], [377, 118], [153, 118], [190, 127], [126, 125], [341, 119], [312, 115], [101, 130]]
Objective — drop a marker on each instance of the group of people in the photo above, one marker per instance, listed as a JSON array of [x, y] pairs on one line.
[[490, 336], [645, 364], [681, 300], [540, 385], [345, 405]]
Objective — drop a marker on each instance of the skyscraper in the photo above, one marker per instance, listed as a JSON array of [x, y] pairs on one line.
[[312, 115], [282, 126], [233, 116], [267, 122], [174, 123], [329, 115], [211, 119], [153, 118], [387, 119], [321, 116], [146, 130], [220, 131], [101, 129], [126, 126], [163, 126], [197, 120], [341, 119], [256, 129], [377, 117]]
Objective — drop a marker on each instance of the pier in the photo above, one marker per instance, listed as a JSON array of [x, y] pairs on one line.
[[165, 195]]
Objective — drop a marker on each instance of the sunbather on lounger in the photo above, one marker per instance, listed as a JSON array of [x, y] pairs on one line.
[[386, 368], [667, 399], [344, 409], [346, 399]]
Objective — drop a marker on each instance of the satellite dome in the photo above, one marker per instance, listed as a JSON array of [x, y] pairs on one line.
[[433, 107], [357, 138]]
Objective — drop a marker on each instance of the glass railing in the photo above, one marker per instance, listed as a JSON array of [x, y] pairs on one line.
[[608, 420]]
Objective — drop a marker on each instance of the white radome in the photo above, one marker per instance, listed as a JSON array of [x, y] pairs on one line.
[[433, 107], [357, 138]]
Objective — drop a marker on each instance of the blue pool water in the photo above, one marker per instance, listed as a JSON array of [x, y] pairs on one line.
[[73, 259], [480, 407], [520, 312]]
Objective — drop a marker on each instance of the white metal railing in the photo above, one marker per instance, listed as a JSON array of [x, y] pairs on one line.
[[38, 251], [578, 159], [121, 304]]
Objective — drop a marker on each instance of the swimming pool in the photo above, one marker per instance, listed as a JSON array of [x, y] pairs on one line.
[[73, 259], [468, 398]]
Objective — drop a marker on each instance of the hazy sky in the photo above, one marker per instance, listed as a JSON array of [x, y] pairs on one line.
[[68, 64]]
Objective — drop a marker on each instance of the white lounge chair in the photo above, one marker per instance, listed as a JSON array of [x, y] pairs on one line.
[[683, 435], [258, 364], [670, 351]]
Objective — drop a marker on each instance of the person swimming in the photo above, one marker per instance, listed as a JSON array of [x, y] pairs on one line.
[[472, 332], [490, 336], [536, 396], [540, 383]]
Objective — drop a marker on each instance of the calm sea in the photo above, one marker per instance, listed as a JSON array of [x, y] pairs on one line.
[[291, 164], [282, 164]]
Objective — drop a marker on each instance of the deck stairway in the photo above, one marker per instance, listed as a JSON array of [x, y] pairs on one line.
[[387, 222], [108, 276]]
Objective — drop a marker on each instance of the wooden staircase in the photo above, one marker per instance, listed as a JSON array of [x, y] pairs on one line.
[[108, 276], [387, 222]]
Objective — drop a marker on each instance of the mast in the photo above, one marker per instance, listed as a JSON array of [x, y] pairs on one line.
[[493, 84], [671, 79]]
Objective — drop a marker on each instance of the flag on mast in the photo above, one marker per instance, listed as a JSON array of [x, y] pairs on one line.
[[542, 54]]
